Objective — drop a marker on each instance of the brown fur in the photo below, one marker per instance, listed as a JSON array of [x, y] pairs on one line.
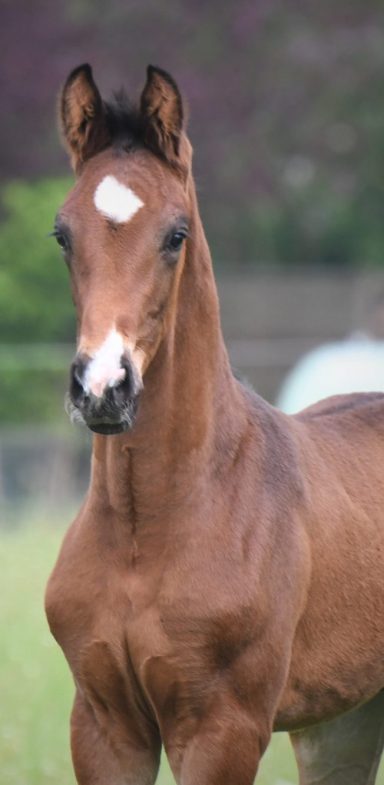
[[224, 576]]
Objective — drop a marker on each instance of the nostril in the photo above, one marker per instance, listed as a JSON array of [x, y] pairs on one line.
[[117, 394], [124, 388], [77, 373], [131, 381], [122, 379]]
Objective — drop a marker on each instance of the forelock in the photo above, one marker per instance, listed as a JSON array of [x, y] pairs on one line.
[[125, 123], [127, 131]]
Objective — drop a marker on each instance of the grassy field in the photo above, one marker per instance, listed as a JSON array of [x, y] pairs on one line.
[[36, 688]]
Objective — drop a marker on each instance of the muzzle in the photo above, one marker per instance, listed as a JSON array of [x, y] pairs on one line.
[[107, 406]]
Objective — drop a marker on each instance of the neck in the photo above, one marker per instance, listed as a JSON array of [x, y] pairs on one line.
[[191, 406]]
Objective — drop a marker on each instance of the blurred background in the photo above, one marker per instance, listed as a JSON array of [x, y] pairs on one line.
[[287, 122]]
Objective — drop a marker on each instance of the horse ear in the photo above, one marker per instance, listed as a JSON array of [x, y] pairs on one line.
[[82, 117], [162, 112]]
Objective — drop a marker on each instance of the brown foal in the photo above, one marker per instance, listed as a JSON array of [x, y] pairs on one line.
[[224, 576]]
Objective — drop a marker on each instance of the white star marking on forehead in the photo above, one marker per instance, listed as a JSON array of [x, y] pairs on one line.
[[115, 200]]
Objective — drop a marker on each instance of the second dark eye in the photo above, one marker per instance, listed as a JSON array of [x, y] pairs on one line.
[[176, 240], [62, 241]]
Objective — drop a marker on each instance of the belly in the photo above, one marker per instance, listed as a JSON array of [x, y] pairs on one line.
[[331, 674]]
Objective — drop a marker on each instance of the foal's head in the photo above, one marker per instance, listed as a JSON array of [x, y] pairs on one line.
[[122, 231]]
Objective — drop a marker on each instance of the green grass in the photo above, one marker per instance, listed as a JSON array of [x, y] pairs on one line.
[[36, 687]]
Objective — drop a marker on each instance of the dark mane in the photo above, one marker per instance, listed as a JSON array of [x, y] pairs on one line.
[[125, 122]]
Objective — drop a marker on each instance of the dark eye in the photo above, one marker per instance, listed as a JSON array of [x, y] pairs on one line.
[[62, 239], [176, 240]]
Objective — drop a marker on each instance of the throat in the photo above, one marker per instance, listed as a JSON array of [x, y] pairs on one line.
[[187, 425]]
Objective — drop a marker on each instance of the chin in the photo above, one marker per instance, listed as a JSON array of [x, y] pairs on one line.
[[106, 423]]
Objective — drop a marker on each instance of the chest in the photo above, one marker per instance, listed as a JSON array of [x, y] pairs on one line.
[[135, 640], [94, 598]]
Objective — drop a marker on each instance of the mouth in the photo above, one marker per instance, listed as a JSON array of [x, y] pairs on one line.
[[101, 418], [108, 428]]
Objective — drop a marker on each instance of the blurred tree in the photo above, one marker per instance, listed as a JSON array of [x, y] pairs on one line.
[[35, 303]]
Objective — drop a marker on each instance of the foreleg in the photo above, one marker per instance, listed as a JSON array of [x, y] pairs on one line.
[[109, 758]]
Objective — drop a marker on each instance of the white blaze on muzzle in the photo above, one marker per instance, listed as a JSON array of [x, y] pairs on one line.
[[104, 370]]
